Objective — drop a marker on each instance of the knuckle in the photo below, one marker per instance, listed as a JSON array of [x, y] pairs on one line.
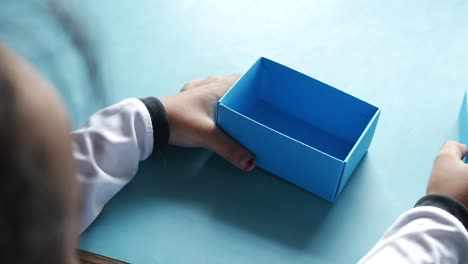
[[212, 78], [442, 157], [236, 75], [212, 130], [450, 143], [186, 87]]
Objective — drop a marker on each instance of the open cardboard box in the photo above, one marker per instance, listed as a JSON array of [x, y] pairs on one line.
[[298, 128], [463, 123]]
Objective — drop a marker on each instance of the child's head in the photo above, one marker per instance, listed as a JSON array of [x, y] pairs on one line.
[[39, 203]]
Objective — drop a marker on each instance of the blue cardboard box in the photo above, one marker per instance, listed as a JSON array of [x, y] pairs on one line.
[[463, 123], [300, 129]]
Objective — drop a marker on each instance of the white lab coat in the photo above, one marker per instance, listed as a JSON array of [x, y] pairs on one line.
[[107, 150], [423, 234], [109, 147]]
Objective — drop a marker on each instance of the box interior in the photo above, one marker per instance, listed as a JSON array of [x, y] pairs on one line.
[[300, 107]]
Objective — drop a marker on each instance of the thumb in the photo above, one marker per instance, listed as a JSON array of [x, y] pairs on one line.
[[454, 149], [230, 150]]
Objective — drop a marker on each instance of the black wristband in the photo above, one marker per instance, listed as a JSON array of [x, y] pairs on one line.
[[448, 204], [160, 121]]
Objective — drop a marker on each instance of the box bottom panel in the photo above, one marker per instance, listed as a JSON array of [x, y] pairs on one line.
[[270, 116]]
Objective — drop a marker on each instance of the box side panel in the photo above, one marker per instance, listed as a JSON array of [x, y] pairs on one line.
[[286, 124], [463, 122], [283, 156], [245, 91], [358, 152], [316, 103]]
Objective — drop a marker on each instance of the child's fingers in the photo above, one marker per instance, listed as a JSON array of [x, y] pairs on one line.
[[223, 82], [221, 86], [199, 83], [230, 150], [453, 149]]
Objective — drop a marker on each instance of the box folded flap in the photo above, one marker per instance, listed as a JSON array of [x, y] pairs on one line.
[[358, 152]]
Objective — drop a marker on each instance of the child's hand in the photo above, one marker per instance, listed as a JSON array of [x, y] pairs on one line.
[[450, 174], [191, 114]]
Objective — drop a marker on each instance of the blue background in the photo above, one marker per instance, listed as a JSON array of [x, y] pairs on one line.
[[188, 206]]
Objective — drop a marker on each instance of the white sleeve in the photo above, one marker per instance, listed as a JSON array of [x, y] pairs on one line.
[[423, 234], [107, 151]]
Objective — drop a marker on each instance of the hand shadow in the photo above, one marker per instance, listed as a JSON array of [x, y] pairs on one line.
[[256, 202]]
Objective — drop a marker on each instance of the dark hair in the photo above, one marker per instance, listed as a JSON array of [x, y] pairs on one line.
[[32, 216]]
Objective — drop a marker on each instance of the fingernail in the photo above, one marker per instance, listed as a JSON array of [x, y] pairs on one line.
[[247, 164]]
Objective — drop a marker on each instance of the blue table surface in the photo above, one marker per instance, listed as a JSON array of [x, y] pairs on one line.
[[189, 206]]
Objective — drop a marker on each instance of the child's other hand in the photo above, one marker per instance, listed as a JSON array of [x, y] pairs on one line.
[[191, 119], [450, 174]]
